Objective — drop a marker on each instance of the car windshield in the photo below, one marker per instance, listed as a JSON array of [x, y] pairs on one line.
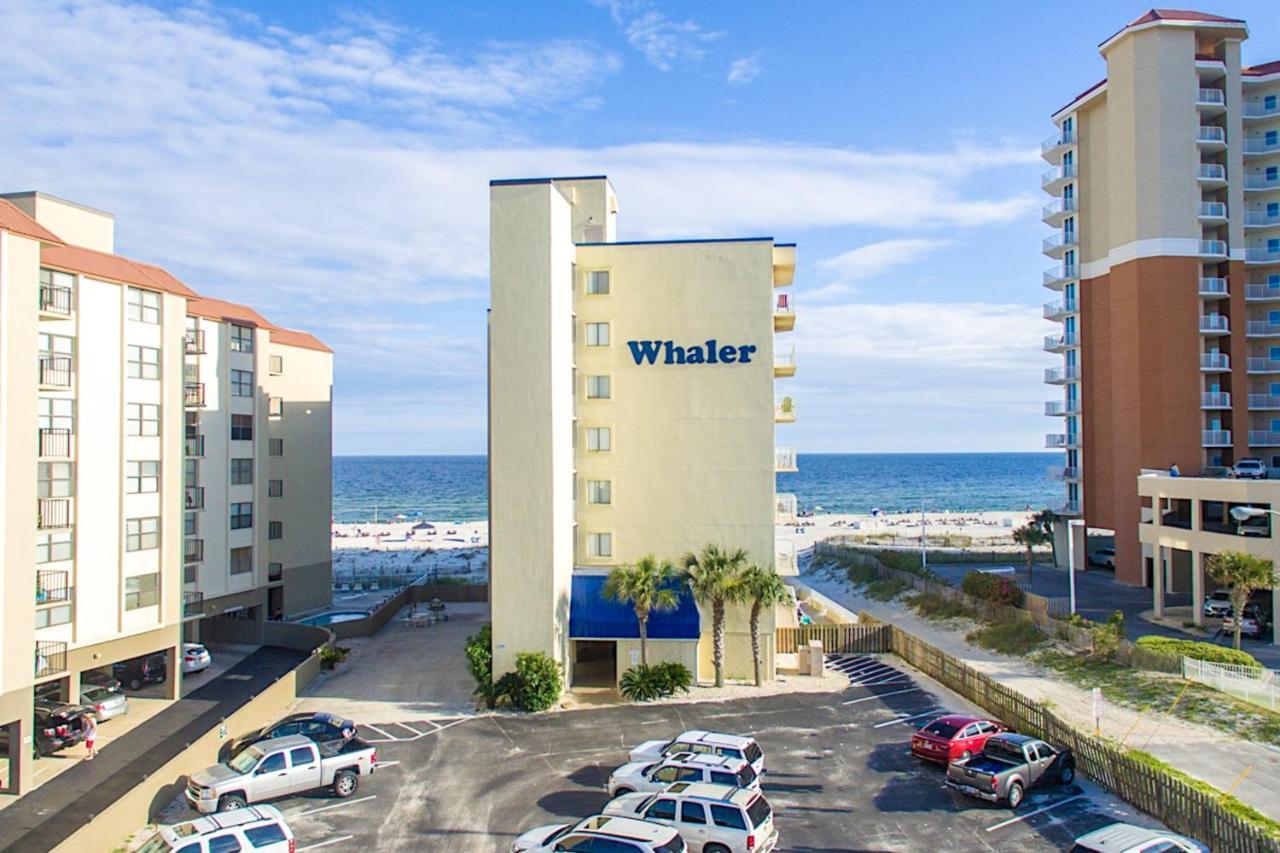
[[941, 729], [759, 811], [746, 776], [155, 844], [752, 752], [97, 694], [675, 845], [245, 761]]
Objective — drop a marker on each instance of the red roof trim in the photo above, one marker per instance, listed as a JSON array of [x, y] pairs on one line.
[[111, 267], [1095, 87], [1261, 70], [227, 312], [294, 338], [1156, 16], [12, 218]]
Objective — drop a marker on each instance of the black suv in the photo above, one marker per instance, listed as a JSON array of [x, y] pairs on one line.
[[148, 669]]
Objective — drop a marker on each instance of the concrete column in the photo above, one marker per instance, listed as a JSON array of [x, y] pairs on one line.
[[1157, 581], [1197, 587], [173, 662], [1275, 602]]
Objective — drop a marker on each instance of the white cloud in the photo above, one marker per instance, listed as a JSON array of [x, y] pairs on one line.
[[663, 41], [744, 70], [869, 261]]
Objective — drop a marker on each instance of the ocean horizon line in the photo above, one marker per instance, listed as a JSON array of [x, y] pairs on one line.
[[798, 452]]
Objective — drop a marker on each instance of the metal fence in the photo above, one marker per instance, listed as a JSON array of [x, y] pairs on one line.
[[1254, 685]]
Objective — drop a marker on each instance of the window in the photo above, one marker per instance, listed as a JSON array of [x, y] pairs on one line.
[[1269, 102], [275, 406], [600, 544], [301, 756], [275, 571], [598, 388], [275, 364], [141, 591], [242, 515], [271, 764], [598, 282], [599, 491], [144, 362], [191, 524], [241, 339], [47, 617], [54, 480], [599, 439], [56, 345], [56, 413], [242, 427], [271, 833], [141, 534], [275, 447], [52, 547], [143, 306], [275, 530], [275, 488], [191, 472], [666, 775], [242, 383], [693, 813], [242, 472], [241, 560], [141, 477], [597, 334], [662, 810], [727, 816], [141, 419]]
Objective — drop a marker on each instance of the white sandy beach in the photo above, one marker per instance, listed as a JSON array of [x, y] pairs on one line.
[[983, 530]]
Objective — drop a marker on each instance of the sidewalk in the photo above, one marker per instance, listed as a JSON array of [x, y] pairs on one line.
[[1199, 751]]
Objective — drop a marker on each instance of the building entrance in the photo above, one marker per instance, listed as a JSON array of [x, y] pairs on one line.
[[595, 663]]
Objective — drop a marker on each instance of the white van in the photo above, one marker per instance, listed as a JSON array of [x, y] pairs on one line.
[[710, 818], [258, 828]]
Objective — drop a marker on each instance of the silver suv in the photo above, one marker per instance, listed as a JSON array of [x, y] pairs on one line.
[[710, 818], [649, 776]]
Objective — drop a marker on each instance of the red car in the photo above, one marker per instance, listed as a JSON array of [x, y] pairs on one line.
[[953, 737]]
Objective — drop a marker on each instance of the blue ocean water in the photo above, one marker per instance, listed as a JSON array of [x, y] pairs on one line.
[[453, 488]]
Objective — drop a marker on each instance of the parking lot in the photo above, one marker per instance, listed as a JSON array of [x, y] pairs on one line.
[[840, 776]]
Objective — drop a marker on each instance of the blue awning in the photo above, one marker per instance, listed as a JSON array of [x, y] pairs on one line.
[[594, 617]]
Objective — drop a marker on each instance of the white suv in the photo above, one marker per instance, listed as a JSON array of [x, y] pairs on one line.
[[704, 743], [602, 832], [711, 818], [649, 776], [258, 828]]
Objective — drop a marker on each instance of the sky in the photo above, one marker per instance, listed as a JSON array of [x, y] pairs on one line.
[[328, 163]]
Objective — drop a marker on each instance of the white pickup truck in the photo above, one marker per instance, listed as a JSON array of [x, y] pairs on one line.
[[280, 767]]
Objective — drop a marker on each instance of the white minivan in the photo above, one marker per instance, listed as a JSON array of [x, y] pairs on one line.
[[704, 743], [710, 818]]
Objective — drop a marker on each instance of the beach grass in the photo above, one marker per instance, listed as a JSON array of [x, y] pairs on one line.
[[1016, 637]]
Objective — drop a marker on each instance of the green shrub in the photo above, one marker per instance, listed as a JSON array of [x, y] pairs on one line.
[[1229, 802], [1196, 650], [479, 652], [1106, 637], [643, 683], [886, 590], [862, 574], [540, 682], [1015, 637], [333, 655], [992, 587], [677, 677], [933, 606]]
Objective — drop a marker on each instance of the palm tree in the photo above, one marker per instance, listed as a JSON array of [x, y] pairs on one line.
[[1030, 536], [714, 576], [761, 588], [1243, 573], [1044, 519], [648, 587]]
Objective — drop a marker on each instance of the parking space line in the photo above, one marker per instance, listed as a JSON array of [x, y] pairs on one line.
[[928, 713], [1022, 817], [871, 675], [454, 723], [882, 680], [334, 806], [408, 727], [382, 764], [386, 735], [881, 695], [337, 840]]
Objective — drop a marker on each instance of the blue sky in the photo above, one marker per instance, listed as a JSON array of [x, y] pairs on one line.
[[328, 163]]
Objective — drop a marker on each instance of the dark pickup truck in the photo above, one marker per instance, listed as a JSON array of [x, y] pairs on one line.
[[1008, 765]]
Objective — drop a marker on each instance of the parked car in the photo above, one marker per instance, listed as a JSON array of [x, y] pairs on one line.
[[280, 767], [1217, 604], [147, 669], [261, 829], [953, 737], [1249, 468], [103, 703], [1254, 623], [58, 725], [602, 832], [648, 777], [704, 743], [1127, 838], [318, 726], [1104, 557], [101, 677], [195, 657], [1008, 766], [710, 818]]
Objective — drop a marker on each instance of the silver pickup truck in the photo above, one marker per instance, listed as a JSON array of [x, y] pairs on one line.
[[280, 767], [1008, 765]]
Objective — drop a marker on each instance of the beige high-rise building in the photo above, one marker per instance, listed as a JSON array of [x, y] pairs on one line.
[[166, 464], [1166, 210], [632, 411]]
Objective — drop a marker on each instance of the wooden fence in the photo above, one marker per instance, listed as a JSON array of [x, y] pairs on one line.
[[861, 639], [452, 592], [1168, 798]]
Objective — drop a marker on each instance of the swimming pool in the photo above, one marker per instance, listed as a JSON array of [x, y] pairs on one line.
[[334, 616]]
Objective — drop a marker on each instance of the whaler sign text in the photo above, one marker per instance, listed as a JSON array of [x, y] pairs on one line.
[[711, 352]]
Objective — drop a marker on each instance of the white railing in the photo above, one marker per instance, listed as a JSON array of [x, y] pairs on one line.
[[1215, 400], [1213, 247], [1260, 182], [1209, 133], [1053, 343], [1262, 365], [782, 305], [1213, 287], [785, 358], [784, 408], [1215, 438], [1254, 685], [1055, 440], [1211, 96], [1261, 329], [1058, 139], [1260, 145], [1213, 209], [1066, 373], [1211, 172], [1263, 438], [1059, 307], [784, 459], [1258, 109], [785, 560], [1058, 173], [1263, 401], [1261, 255], [1068, 508], [1060, 274], [1058, 205], [1215, 361], [1260, 218], [1261, 291], [1062, 472], [785, 506], [1213, 323], [1058, 241], [1053, 408]]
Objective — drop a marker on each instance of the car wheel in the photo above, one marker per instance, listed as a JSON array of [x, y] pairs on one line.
[[622, 789], [1067, 773], [1015, 795], [966, 755], [715, 848], [345, 784], [135, 683], [231, 802]]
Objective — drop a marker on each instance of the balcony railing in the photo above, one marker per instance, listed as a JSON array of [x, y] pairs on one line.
[[1059, 308], [1058, 343], [1056, 440], [1054, 408], [1058, 140], [1058, 207], [1257, 364], [194, 395], [194, 342], [54, 443], [1264, 402], [1261, 182], [784, 315], [1260, 109], [1261, 255], [1214, 323], [55, 299], [1260, 219], [1261, 145], [1264, 438], [785, 558], [1213, 287], [195, 497], [1213, 210], [1211, 97], [1058, 242], [784, 410], [1211, 172], [193, 445], [1068, 508], [786, 506], [192, 604], [53, 513], [52, 587], [55, 371], [1059, 375], [1215, 438], [784, 459], [1261, 329], [193, 550], [1215, 400], [1214, 361], [1217, 248], [1057, 174], [784, 361], [1209, 133], [1059, 472], [1057, 276], [51, 658]]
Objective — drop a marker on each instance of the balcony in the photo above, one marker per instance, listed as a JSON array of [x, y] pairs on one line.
[[1057, 210], [51, 658], [1212, 288], [1212, 211], [785, 559], [1261, 329], [784, 315], [1058, 277], [1211, 138], [784, 411], [785, 507], [55, 301], [1059, 472], [193, 445], [1263, 402], [194, 342], [1061, 343], [1213, 248], [1057, 408], [52, 587], [195, 497], [193, 397], [1053, 180], [1261, 183], [1053, 147], [784, 362], [192, 604], [1262, 365], [1260, 109], [1062, 375], [1215, 400], [1263, 438], [1211, 101], [1057, 245], [1215, 362], [1212, 174], [1259, 145], [1067, 508], [53, 513], [55, 372], [1215, 438], [54, 443], [1059, 308], [784, 460], [1262, 255], [193, 551], [784, 264], [1261, 219], [1057, 440], [1214, 324]]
